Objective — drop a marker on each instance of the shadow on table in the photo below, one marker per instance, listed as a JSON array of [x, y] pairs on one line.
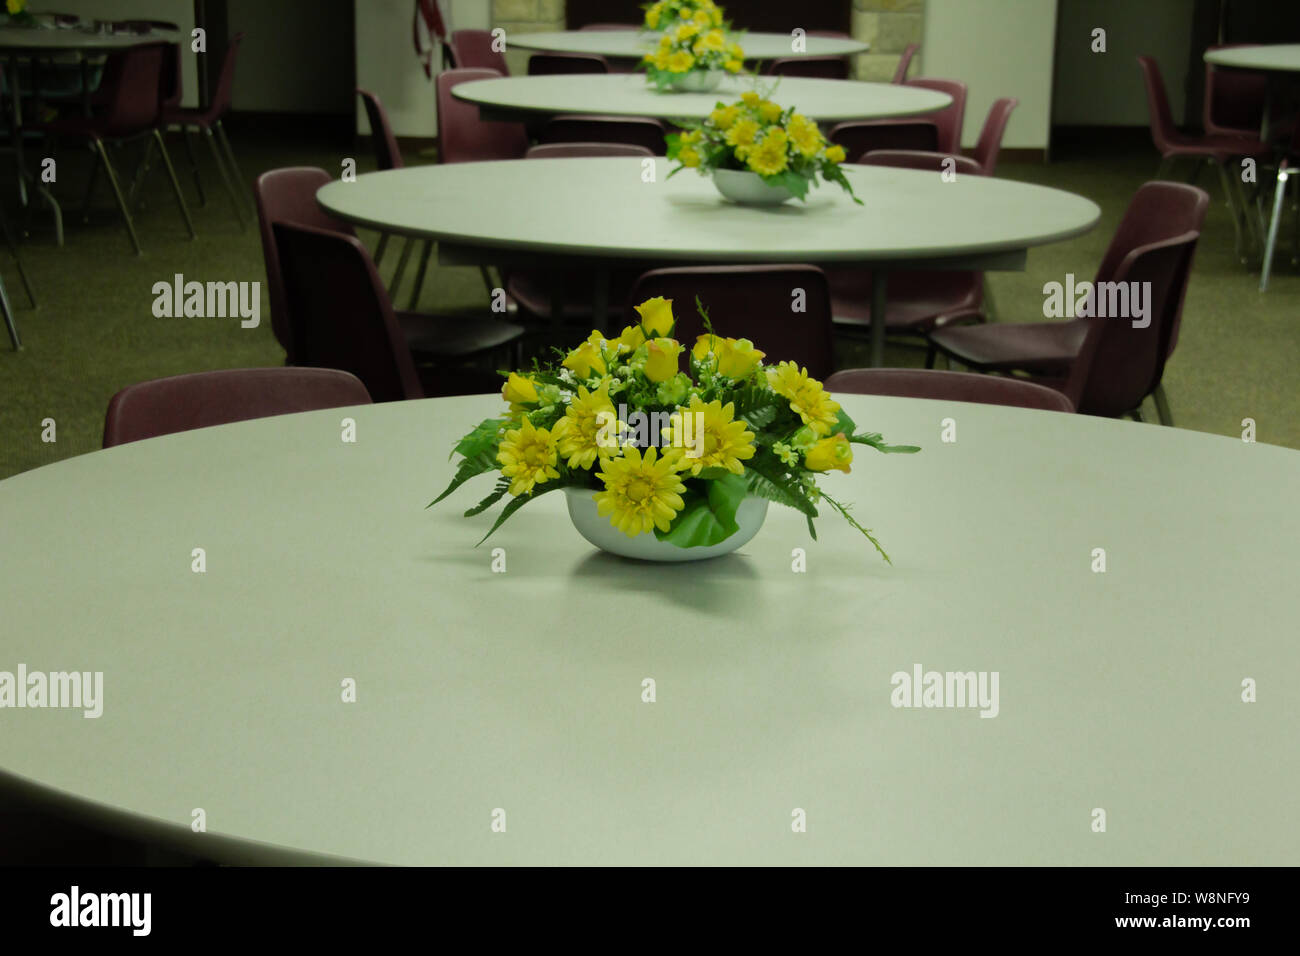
[[693, 584]]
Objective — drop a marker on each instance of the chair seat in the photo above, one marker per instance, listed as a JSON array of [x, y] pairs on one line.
[[455, 336], [1217, 147], [532, 290], [1046, 348], [917, 301]]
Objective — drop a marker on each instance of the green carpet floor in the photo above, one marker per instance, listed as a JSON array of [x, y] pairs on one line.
[[94, 330]]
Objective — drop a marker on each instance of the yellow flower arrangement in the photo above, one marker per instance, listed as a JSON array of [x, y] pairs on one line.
[[782, 146], [664, 450], [693, 37], [669, 14]]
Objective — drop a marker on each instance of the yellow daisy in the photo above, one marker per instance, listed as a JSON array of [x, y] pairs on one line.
[[750, 99], [713, 432], [724, 117], [578, 434], [835, 153], [807, 398], [742, 133], [527, 456], [769, 112], [769, 157], [642, 492], [680, 62], [805, 135]]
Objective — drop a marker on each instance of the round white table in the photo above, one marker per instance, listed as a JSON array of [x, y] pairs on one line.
[[514, 98], [522, 691], [521, 213], [633, 44], [1278, 57]]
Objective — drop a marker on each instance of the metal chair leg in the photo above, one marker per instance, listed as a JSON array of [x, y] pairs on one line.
[[141, 175], [234, 165], [90, 185], [117, 192], [1162, 405], [18, 261], [1230, 196], [381, 248], [488, 281], [1270, 244], [225, 176], [176, 186], [419, 275], [194, 165], [9, 319]]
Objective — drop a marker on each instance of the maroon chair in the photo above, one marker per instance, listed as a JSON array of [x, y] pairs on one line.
[[905, 61], [1286, 171], [989, 145], [207, 121], [182, 403], [1105, 365], [462, 136], [948, 387], [584, 150], [133, 111], [288, 196], [1235, 100], [472, 50], [918, 302], [818, 67], [339, 312], [564, 64], [634, 131], [388, 155], [1217, 150], [935, 132], [752, 302]]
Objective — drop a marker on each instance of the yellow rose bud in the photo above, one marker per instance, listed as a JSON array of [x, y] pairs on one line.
[[631, 339], [830, 453], [835, 153], [738, 358], [661, 359], [585, 359], [519, 390], [657, 316]]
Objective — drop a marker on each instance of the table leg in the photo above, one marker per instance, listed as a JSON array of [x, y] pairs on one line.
[[879, 299]]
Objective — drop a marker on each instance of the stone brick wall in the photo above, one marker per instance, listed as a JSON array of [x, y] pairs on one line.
[[889, 26], [525, 16]]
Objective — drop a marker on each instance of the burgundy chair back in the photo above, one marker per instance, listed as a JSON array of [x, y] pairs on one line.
[[387, 153], [949, 120], [900, 74], [557, 64], [935, 132], [339, 311], [1119, 365], [1163, 131], [585, 150], [135, 103], [225, 80], [948, 386], [989, 144], [818, 67], [753, 302], [202, 399], [634, 131], [1234, 100], [472, 50], [462, 136], [920, 159], [288, 195]]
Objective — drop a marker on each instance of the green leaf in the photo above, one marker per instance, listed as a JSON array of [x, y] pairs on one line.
[[768, 479], [515, 504], [710, 514], [843, 423], [844, 510], [792, 181], [469, 468], [876, 441], [499, 492], [481, 439]]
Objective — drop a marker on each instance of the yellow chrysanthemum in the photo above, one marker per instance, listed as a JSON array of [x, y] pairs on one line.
[[835, 153], [724, 117], [689, 158], [578, 434], [715, 41], [769, 157], [642, 492], [680, 62], [735, 51], [661, 59], [750, 99], [702, 18], [652, 16], [686, 30], [807, 397], [527, 456], [690, 137], [666, 42], [712, 430], [805, 135], [733, 66], [743, 133], [769, 112]]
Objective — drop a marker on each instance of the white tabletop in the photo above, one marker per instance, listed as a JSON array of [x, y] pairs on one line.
[[523, 690], [635, 44], [628, 94], [18, 39], [529, 205], [1284, 57]]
